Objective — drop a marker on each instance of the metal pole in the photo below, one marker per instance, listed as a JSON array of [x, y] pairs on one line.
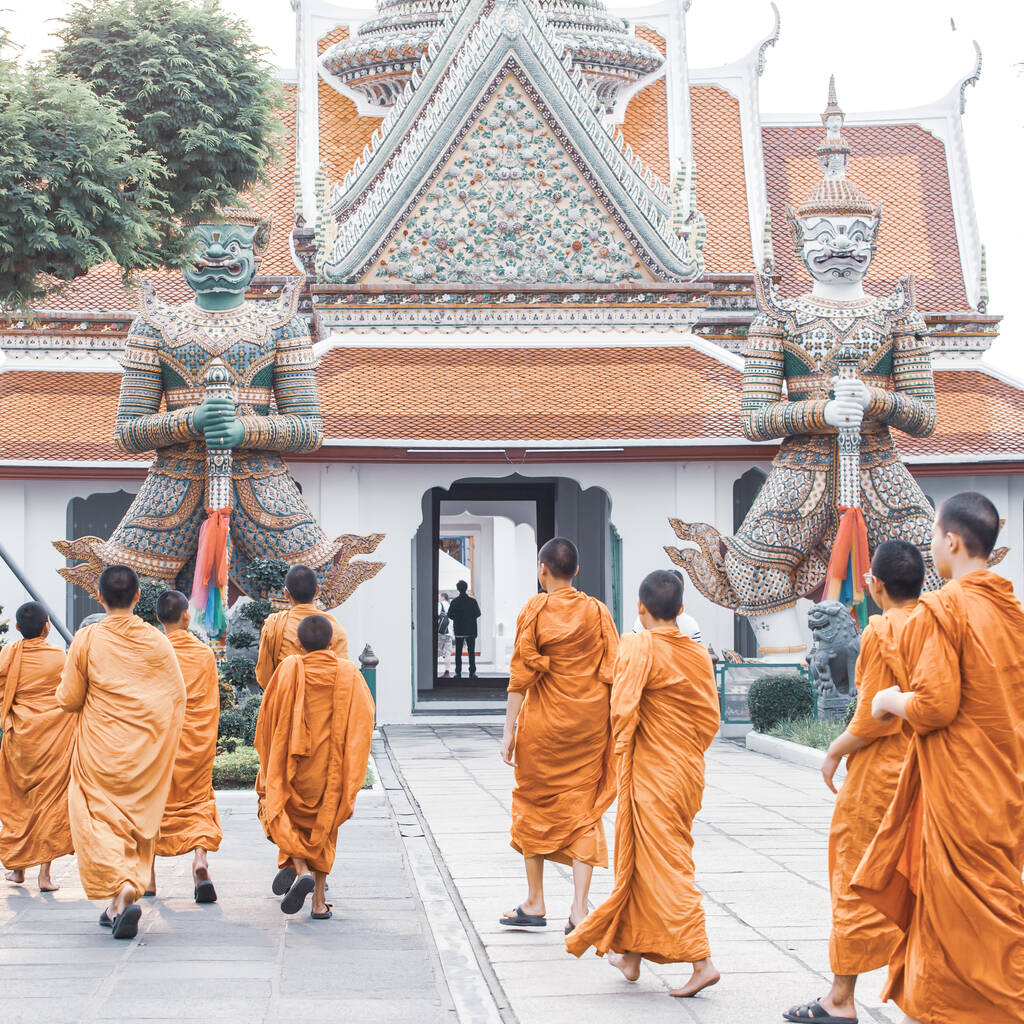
[[34, 594]]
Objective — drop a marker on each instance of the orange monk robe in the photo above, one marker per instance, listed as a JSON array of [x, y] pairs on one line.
[[862, 937], [946, 863], [35, 756], [564, 775], [664, 717], [190, 817], [280, 638], [123, 679], [313, 738]]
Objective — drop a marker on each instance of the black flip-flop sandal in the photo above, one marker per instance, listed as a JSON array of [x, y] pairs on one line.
[[569, 928], [325, 916], [522, 920], [816, 1012], [205, 892], [296, 896], [283, 881], [149, 894], [105, 921], [126, 924]]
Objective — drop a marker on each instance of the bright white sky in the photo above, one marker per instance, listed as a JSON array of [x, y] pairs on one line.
[[886, 54]]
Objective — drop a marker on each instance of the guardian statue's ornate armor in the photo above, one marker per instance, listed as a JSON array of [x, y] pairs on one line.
[[275, 410], [799, 385]]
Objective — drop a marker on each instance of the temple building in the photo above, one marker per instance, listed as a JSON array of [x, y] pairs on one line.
[[527, 234]]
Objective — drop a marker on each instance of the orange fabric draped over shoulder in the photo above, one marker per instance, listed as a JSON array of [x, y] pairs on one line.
[[190, 817], [313, 737], [35, 756], [123, 680], [279, 639], [665, 715], [862, 937], [946, 863], [564, 777]]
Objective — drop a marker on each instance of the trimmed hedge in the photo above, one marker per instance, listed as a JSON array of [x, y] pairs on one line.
[[776, 698], [235, 770], [249, 709]]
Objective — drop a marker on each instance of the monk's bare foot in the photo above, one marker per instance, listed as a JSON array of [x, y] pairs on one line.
[[628, 963], [704, 975], [125, 898], [17, 877], [46, 883]]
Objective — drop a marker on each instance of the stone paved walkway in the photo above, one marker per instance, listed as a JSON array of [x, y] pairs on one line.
[[760, 855], [240, 960]]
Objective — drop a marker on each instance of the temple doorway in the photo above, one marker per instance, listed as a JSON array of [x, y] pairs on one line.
[[486, 533]]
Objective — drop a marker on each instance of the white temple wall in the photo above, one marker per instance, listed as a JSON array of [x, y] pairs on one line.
[[388, 498]]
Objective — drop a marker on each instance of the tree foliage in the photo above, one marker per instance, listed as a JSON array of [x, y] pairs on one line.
[[193, 85], [75, 190]]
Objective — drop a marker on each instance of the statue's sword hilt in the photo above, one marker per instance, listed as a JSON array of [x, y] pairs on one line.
[[217, 383], [849, 439]]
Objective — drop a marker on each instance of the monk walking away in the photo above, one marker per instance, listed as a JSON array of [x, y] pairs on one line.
[[279, 637], [190, 823], [558, 734], [124, 685], [946, 863], [35, 754], [664, 716], [313, 738], [863, 938]]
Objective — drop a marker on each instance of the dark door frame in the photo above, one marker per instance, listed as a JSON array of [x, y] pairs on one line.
[[542, 494]]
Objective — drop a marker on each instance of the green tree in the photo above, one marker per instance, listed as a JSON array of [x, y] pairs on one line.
[[74, 189], [196, 89]]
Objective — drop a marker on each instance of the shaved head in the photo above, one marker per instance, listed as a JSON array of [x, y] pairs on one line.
[[31, 619], [171, 605], [561, 558], [118, 586], [900, 566], [315, 633], [661, 593], [301, 583], [974, 519]]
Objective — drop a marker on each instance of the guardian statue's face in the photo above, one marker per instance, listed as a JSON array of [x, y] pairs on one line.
[[838, 249], [225, 260]]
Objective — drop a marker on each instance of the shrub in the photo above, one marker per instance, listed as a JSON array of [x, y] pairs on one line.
[[238, 672], [232, 723], [266, 575], [240, 640], [256, 612], [774, 698], [149, 591], [228, 699], [235, 770], [852, 709], [250, 710], [808, 732]]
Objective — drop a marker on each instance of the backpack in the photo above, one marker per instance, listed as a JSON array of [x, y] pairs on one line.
[[443, 622]]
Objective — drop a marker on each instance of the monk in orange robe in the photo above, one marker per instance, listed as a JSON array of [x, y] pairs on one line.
[[279, 637], [191, 823], [664, 710], [862, 937], [35, 754], [123, 682], [946, 863], [558, 733], [313, 737]]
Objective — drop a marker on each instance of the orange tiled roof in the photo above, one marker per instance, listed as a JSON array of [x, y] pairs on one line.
[[277, 197], [645, 126], [343, 133], [721, 181], [379, 394], [102, 290], [903, 167]]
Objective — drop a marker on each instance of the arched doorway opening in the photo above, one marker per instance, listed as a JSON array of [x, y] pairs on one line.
[[744, 491]]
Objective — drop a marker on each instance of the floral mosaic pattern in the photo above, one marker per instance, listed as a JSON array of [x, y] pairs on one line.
[[510, 207]]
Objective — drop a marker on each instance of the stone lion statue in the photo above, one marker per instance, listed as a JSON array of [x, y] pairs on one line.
[[833, 657]]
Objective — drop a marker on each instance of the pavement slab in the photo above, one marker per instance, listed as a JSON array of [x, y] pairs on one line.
[[760, 853], [240, 959]]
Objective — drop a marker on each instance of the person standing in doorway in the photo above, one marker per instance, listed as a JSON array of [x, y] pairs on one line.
[[444, 634], [464, 612]]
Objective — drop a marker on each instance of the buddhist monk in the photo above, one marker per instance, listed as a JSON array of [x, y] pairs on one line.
[[124, 685], [558, 734], [35, 754], [946, 863], [191, 823], [279, 637], [313, 737], [862, 937], [664, 710]]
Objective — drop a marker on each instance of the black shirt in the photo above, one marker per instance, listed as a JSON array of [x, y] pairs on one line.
[[464, 611]]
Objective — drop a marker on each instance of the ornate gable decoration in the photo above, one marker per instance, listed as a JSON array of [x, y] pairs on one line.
[[497, 122], [509, 206]]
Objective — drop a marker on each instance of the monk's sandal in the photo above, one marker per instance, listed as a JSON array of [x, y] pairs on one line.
[[816, 1012], [521, 920]]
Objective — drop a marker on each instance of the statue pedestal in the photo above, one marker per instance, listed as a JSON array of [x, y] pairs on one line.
[[781, 637], [833, 709]]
